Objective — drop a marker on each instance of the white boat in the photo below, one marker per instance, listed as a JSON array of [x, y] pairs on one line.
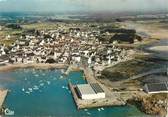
[[36, 75], [8, 112], [27, 92], [30, 89], [88, 113], [61, 77], [35, 87], [99, 109], [23, 89], [48, 82], [42, 84], [43, 74], [62, 71], [85, 110]]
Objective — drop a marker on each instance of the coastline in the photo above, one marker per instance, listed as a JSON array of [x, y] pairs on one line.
[[89, 77], [10, 67]]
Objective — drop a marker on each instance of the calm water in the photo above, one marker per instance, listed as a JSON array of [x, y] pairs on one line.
[[46, 93]]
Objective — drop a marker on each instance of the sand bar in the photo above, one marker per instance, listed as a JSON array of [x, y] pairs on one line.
[[159, 48]]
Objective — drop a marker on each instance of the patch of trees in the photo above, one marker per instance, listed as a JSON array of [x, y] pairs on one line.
[[13, 26], [124, 37], [47, 36], [72, 29], [103, 38], [32, 31], [119, 20], [50, 60], [118, 30]]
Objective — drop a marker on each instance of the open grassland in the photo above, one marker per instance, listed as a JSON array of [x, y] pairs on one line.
[[7, 42], [41, 26], [14, 34]]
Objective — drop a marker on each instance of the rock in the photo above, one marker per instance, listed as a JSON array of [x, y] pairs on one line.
[[150, 105]]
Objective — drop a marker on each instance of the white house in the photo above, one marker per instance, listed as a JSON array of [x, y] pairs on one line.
[[76, 58]]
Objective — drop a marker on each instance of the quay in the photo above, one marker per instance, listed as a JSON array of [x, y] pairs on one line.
[[104, 102], [3, 94], [72, 68], [111, 98]]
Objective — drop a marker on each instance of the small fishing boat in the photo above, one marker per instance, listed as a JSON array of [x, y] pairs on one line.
[[48, 82], [30, 89], [8, 112], [43, 74], [35, 87], [42, 84], [99, 109], [27, 92], [88, 113], [61, 77], [23, 89], [85, 110], [36, 75]]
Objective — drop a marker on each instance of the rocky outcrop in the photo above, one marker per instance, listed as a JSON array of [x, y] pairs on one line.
[[152, 105]]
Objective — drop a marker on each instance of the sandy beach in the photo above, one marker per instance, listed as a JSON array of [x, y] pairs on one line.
[[34, 65], [159, 48]]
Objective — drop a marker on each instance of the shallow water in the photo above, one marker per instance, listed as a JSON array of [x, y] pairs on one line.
[[46, 93], [156, 53]]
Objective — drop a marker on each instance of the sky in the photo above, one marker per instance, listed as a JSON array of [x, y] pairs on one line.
[[83, 5]]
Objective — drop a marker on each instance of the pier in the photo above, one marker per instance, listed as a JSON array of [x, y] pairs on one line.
[[104, 102], [72, 68], [3, 94], [111, 98]]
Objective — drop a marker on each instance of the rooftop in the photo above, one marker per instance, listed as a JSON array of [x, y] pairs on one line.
[[85, 89], [96, 87], [157, 87]]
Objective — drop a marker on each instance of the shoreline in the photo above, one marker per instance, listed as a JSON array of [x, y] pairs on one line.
[[10, 67], [89, 77]]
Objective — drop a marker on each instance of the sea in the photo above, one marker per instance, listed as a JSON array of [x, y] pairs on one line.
[[45, 93]]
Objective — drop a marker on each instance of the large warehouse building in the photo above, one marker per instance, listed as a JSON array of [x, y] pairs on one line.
[[90, 91], [156, 88]]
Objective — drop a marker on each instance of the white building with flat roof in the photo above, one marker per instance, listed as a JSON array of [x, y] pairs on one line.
[[90, 91]]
